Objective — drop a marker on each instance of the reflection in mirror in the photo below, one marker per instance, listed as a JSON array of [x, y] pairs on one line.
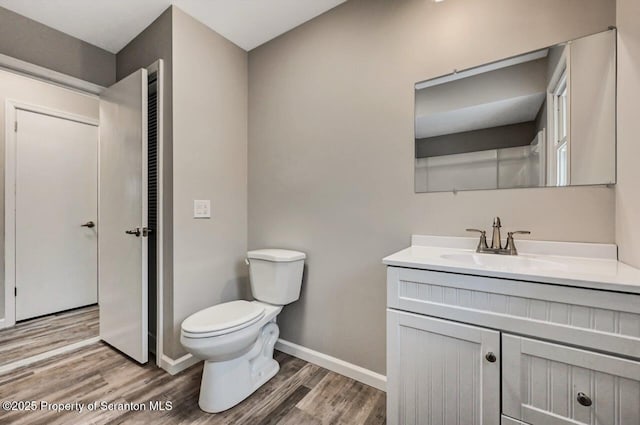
[[544, 118]]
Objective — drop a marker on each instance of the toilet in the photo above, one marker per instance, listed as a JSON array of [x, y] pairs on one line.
[[236, 339]]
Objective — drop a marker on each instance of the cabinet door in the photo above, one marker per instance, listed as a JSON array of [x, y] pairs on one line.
[[552, 384], [441, 372]]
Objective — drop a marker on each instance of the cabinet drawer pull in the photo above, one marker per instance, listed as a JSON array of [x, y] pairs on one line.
[[491, 358], [584, 400]]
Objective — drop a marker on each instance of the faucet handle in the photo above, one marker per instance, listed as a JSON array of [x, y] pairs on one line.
[[482, 232], [518, 232], [482, 244], [511, 245]]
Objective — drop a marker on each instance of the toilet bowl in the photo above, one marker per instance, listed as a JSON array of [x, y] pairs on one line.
[[236, 339]]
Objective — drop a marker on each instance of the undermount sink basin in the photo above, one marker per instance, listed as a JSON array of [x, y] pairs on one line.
[[502, 261]]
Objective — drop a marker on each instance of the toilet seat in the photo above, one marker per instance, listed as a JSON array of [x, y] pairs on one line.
[[222, 319]]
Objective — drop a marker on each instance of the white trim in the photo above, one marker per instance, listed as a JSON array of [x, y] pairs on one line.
[[11, 111], [37, 72], [57, 113], [9, 216], [176, 366], [333, 364], [43, 356]]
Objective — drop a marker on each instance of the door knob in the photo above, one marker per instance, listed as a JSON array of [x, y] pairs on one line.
[[584, 399], [491, 358], [135, 232], [89, 224]]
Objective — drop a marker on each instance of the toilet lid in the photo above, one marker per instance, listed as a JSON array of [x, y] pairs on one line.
[[223, 316]]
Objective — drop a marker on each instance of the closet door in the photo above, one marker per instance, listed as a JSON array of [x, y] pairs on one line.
[[123, 244], [552, 384], [441, 372], [56, 177]]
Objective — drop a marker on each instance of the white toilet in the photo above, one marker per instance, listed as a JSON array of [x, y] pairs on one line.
[[236, 339]]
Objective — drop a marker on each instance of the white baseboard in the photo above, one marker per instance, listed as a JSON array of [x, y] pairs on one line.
[[2, 324], [341, 367], [42, 356], [176, 366], [333, 364]]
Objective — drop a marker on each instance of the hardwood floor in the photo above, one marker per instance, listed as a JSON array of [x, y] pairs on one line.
[[301, 393], [47, 333]]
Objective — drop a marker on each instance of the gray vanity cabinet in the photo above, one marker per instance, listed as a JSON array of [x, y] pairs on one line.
[[475, 350]]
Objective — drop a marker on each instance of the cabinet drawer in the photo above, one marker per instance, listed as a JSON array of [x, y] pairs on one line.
[[600, 320], [552, 384]]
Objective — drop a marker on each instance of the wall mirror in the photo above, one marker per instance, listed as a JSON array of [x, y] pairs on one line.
[[543, 118]]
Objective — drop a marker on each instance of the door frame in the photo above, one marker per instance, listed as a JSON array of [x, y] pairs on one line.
[[11, 111]]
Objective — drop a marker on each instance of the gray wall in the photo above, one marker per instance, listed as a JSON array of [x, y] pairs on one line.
[[628, 187], [343, 84], [154, 43], [209, 162], [505, 136], [31, 41]]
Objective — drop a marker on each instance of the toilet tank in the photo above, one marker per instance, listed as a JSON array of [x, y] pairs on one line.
[[276, 275]]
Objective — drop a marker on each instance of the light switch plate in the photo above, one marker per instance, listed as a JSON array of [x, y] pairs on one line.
[[201, 208]]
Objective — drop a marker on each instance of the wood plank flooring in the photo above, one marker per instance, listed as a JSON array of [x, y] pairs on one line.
[[300, 394], [47, 333]]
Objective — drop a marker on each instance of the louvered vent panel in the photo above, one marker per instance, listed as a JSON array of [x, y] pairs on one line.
[[153, 153]]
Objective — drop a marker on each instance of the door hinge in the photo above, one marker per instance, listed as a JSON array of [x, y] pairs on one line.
[[15, 292], [15, 126]]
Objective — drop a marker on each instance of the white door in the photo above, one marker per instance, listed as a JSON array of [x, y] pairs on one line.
[[123, 216], [56, 193], [441, 372]]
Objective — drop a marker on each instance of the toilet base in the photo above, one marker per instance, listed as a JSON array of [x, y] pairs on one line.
[[227, 383]]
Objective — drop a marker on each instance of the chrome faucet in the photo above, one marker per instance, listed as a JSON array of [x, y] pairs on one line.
[[496, 240]]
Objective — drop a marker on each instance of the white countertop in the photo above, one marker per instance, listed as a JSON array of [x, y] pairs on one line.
[[582, 265]]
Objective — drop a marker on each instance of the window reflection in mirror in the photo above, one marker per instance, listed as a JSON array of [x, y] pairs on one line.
[[544, 118]]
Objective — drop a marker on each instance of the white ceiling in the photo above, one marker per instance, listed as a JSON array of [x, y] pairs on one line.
[[111, 24], [487, 115]]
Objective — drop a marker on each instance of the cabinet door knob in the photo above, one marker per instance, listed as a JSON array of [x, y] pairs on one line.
[[491, 358], [584, 400]]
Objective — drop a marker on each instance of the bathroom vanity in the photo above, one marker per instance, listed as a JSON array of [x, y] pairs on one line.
[[548, 337]]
